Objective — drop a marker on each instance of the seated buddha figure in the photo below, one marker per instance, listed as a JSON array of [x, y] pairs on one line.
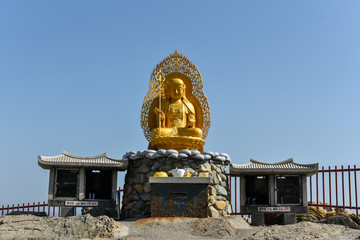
[[177, 113]]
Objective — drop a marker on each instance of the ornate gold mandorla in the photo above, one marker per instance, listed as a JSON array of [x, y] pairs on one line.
[[175, 67]]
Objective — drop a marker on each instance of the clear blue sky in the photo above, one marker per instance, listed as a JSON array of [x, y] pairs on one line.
[[282, 79]]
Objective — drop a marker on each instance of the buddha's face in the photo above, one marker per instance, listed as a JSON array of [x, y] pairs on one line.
[[176, 89]]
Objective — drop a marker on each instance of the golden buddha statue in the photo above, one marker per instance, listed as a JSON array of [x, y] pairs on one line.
[[175, 112]]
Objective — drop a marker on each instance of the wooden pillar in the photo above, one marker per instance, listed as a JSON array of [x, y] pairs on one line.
[[82, 182], [272, 191], [51, 184], [114, 185], [304, 190]]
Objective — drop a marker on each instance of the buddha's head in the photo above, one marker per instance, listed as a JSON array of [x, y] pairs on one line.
[[176, 89]]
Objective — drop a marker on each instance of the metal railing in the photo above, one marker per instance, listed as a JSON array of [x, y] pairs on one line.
[[33, 207], [43, 207], [338, 188]]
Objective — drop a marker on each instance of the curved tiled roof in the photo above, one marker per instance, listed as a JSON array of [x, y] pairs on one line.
[[69, 160], [283, 167]]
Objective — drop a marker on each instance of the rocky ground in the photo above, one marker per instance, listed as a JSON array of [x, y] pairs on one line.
[[233, 227]]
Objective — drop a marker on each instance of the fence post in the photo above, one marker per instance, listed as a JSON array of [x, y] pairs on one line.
[[336, 187], [2, 212], [235, 196], [349, 186], [323, 185], [230, 190], [317, 190], [343, 186], [330, 186], [310, 190], [356, 195]]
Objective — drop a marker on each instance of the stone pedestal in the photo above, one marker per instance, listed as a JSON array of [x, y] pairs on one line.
[[67, 211], [144, 164], [179, 196]]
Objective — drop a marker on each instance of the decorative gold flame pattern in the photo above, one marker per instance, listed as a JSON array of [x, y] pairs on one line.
[[177, 64]]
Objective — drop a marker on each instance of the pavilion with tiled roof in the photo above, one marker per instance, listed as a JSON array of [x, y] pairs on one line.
[[82, 181], [72, 161], [284, 167]]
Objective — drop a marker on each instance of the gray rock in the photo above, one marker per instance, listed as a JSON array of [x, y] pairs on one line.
[[147, 187], [150, 174], [139, 205], [225, 155], [149, 151], [213, 212], [206, 167], [166, 168], [198, 157], [222, 176], [178, 165], [137, 197], [39, 214], [187, 152], [220, 198], [173, 155], [150, 155], [170, 151], [155, 166], [219, 158], [80, 227], [140, 178], [194, 153], [182, 155], [161, 152], [207, 157], [228, 209], [341, 220], [190, 170], [145, 197], [141, 153], [213, 178], [144, 169], [135, 157], [221, 190], [157, 155], [223, 169], [211, 154], [211, 190]]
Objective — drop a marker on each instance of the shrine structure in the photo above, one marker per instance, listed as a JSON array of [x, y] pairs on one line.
[[175, 118]]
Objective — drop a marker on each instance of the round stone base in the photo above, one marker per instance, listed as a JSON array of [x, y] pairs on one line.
[[144, 164], [177, 143]]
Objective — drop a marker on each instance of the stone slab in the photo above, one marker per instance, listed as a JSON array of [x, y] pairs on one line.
[[179, 200], [180, 180]]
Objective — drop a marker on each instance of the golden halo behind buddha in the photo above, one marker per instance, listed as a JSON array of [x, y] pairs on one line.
[[176, 66]]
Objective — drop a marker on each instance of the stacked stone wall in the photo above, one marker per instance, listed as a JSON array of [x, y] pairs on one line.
[[144, 164]]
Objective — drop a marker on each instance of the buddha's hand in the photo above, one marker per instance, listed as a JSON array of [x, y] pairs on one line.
[[191, 124], [159, 112]]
